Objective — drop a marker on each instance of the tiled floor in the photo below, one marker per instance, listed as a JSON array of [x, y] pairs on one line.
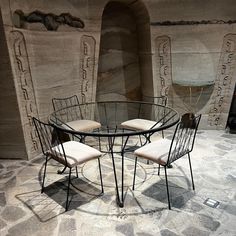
[[25, 211]]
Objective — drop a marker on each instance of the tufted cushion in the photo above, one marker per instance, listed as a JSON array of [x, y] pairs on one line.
[[82, 125], [140, 124], [156, 151], [76, 153]]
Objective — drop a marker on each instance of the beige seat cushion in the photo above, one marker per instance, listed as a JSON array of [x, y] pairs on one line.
[[82, 125], [140, 124], [76, 153], [156, 151]]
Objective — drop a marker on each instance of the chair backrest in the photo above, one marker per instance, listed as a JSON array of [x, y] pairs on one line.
[[67, 108], [184, 137], [50, 140], [60, 103]]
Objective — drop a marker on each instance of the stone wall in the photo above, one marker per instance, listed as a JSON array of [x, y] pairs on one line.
[[193, 70], [11, 135], [193, 57], [185, 49], [52, 55], [118, 65]]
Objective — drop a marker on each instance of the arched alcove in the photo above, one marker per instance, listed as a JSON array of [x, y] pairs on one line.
[[124, 67]]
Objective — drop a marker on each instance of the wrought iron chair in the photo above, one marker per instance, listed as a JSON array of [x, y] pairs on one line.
[[145, 124], [70, 153], [74, 114], [164, 152]]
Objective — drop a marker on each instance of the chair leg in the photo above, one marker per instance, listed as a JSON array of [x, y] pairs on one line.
[[135, 165], [100, 172], [99, 144], [44, 174], [191, 171], [167, 189], [149, 141], [159, 168], [82, 139], [77, 175], [68, 190]]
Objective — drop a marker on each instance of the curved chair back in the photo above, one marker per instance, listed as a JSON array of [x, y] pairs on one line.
[[184, 137], [50, 142], [72, 111], [60, 103]]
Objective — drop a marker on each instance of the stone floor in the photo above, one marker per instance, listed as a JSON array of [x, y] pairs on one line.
[[25, 211]]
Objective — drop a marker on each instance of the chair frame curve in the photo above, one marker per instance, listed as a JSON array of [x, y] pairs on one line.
[[50, 138], [182, 144]]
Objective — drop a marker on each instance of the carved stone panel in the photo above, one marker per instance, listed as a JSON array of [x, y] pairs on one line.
[[87, 66], [224, 85], [25, 91], [163, 63]]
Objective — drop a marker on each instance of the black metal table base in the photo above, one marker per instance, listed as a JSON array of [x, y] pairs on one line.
[[119, 189]]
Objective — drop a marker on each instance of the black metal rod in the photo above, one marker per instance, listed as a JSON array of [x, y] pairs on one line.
[[44, 174], [159, 168], [77, 175], [163, 118], [191, 171], [135, 166], [167, 189], [111, 142], [61, 171], [68, 191], [122, 177], [100, 172], [122, 170]]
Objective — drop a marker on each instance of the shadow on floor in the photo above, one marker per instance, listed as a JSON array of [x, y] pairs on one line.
[[50, 204], [179, 196]]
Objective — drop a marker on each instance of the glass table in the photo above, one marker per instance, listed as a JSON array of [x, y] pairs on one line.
[[111, 115]]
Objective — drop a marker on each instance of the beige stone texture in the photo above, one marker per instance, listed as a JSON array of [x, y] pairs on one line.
[[11, 135], [183, 60]]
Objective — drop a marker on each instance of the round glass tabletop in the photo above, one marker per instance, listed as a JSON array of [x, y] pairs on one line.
[[114, 118]]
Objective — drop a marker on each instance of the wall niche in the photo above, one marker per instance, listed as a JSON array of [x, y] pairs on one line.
[[122, 74]]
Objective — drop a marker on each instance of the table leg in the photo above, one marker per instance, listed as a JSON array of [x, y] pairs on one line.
[[119, 193]]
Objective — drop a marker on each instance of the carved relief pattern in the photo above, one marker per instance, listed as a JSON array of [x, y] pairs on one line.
[[163, 58], [26, 94], [87, 67], [49, 20], [224, 86]]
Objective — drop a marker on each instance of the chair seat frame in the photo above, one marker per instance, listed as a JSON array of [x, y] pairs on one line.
[[182, 144]]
